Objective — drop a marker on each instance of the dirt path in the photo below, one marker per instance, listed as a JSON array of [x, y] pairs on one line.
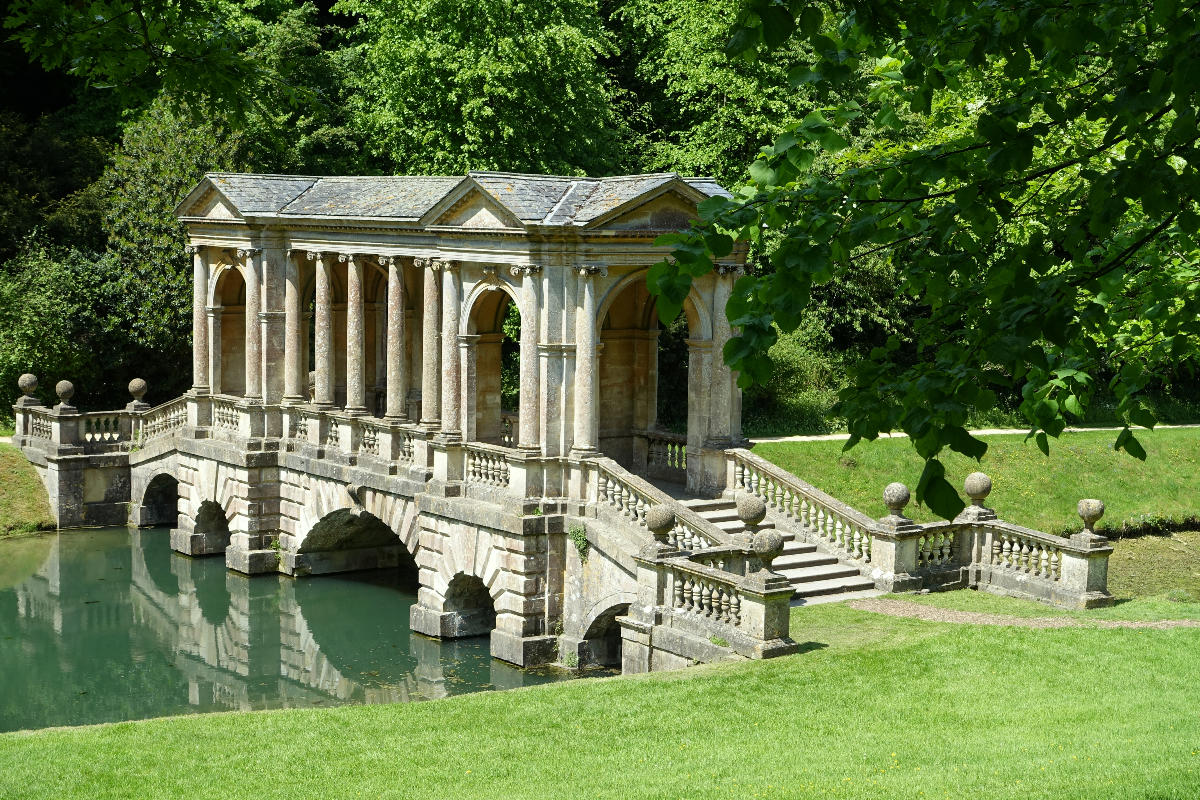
[[903, 608]]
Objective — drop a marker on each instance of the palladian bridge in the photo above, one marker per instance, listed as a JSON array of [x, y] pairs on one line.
[[461, 375]]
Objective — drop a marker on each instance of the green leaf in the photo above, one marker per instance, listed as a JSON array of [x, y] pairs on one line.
[[887, 118], [777, 25], [762, 174], [935, 491], [810, 21], [1043, 443]]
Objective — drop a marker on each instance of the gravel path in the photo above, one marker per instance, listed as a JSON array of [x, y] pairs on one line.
[[903, 608]]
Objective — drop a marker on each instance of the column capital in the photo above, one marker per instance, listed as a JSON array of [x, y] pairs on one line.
[[523, 271], [314, 255], [345, 257], [447, 265], [191, 249], [726, 268], [386, 261], [248, 252], [428, 263], [593, 271]]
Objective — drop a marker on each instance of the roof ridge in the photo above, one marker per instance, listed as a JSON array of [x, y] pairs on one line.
[[265, 175]]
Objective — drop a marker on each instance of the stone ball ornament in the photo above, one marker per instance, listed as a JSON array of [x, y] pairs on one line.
[[138, 388], [977, 487], [65, 391], [766, 546], [896, 497], [751, 509], [660, 520], [28, 384], [1090, 511]]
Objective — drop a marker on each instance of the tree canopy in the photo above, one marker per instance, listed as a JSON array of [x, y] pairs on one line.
[[1045, 228]]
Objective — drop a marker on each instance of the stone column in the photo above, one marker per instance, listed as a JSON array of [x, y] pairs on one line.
[[214, 348], [356, 386], [323, 390], [253, 325], [200, 380], [397, 364], [720, 423], [294, 378], [530, 406], [585, 361], [451, 379], [430, 361]]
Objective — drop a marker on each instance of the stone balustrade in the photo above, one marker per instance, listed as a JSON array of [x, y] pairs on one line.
[[487, 465], [613, 488], [666, 455], [976, 549], [829, 521], [160, 421]]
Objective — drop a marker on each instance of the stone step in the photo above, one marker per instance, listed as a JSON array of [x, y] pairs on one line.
[[832, 587], [803, 559], [818, 573], [736, 525], [718, 504]]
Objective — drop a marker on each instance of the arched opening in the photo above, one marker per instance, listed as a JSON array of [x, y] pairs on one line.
[[211, 522], [493, 369], [230, 332], [349, 529], [160, 503], [468, 599], [603, 638], [337, 333], [647, 382]]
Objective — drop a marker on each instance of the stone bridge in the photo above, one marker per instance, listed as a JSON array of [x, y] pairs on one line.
[[460, 376]]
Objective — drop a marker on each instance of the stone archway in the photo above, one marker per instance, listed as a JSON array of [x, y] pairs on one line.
[[492, 364], [468, 608], [603, 638], [160, 502], [212, 524], [229, 332]]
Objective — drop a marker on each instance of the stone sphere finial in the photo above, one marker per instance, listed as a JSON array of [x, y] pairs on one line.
[[65, 391], [28, 384], [660, 520], [1090, 511], [137, 388], [896, 497], [750, 508], [977, 486], [767, 545]]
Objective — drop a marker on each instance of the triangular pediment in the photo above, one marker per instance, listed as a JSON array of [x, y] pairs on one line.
[[470, 206], [669, 207], [207, 202]]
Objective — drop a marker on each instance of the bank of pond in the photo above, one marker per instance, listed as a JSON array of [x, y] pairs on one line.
[[110, 624]]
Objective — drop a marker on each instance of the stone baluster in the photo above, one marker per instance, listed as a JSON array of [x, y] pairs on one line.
[[397, 364], [253, 326], [530, 401], [585, 361], [356, 385], [430, 352], [293, 344], [200, 379], [323, 324]]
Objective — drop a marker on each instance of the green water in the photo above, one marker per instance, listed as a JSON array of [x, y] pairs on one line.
[[110, 625]]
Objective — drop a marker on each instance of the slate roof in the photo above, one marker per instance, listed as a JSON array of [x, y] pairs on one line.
[[533, 199]]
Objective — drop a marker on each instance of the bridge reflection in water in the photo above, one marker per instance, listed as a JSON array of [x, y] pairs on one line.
[[111, 625]]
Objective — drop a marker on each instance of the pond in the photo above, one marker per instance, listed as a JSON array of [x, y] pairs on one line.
[[110, 625]]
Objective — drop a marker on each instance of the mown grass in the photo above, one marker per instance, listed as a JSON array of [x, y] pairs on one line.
[[876, 707], [1028, 488], [24, 505]]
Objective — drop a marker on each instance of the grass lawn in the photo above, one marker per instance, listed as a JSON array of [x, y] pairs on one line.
[[877, 707], [1028, 488], [24, 506]]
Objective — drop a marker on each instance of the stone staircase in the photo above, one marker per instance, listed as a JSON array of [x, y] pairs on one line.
[[813, 574]]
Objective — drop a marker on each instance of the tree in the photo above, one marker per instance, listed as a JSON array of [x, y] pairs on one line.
[[499, 85], [1049, 231]]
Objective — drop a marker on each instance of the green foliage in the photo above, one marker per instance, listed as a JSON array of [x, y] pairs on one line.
[[65, 315], [510, 359], [506, 86], [198, 51], [162, 156], [578, 536], [688, 108], [1047, 232], [803, 387]]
